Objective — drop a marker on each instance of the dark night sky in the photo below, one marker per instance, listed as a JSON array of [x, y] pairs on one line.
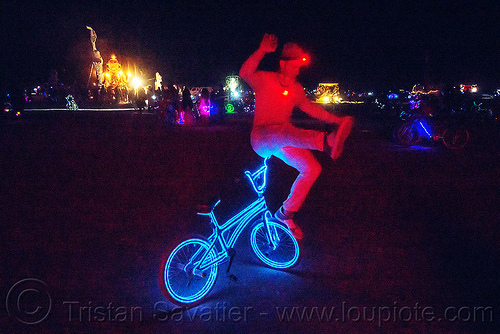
[[361, 44]]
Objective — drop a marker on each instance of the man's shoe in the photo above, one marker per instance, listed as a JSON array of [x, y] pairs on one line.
[[336, 140], [296, 231]]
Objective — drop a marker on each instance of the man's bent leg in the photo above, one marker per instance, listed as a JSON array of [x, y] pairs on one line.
[[267, 140], [309, 169], [302, 138]]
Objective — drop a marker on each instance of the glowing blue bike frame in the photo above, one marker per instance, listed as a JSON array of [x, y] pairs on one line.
[[196, 259]]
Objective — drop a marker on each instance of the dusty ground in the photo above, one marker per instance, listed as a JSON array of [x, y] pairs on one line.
[[396, 240]]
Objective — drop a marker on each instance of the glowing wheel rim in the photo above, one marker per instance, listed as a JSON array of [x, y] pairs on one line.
[[182, 286], [284, 255], [456, 138], [408, 135]]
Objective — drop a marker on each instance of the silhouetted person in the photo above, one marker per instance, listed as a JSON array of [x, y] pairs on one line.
[[141, 99], [187, 107], [172, 99]]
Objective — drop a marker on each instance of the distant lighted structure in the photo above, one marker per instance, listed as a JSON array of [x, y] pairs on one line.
[[158, 81], [233, 85], [328, 93], [471, 88], [420, 89], [113, 82], [238, 97], [96, 59]]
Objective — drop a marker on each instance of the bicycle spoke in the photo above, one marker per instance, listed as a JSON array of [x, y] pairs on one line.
[[286, 251]]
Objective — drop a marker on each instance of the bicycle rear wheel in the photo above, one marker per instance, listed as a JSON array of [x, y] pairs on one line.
[[456, 137], [286, 252], [184, 284]]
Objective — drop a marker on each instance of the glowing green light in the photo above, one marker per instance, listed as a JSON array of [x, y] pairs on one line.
[[229, 108]]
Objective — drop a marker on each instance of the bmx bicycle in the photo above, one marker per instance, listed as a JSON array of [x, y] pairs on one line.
[[191, 268], [415, 129]]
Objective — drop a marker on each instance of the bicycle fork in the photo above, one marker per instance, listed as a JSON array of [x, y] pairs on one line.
[[426, 131], [192, 269], [272, 234]]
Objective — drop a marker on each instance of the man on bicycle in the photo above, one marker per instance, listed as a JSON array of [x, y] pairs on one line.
[[276, 95]]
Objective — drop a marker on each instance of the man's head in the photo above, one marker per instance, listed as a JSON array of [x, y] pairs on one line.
[[292, 59]]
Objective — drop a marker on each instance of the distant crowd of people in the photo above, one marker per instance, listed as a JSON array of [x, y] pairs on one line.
[[174, 104], [177, 105]]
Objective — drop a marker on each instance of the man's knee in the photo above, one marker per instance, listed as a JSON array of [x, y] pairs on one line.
[[313, 170]]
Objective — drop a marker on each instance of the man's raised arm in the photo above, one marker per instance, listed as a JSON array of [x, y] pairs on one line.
[[249, 68]]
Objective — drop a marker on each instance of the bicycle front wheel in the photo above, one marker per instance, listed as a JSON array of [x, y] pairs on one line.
[[281, 254], [407, 134], [184, 283]]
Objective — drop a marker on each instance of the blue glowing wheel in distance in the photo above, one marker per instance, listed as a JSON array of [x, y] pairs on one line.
[[285, 251], [184, 283]]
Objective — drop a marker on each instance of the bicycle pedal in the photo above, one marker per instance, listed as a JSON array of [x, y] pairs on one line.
[[232, 277]]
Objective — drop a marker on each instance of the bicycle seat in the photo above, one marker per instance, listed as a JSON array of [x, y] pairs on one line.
[[205, 209]]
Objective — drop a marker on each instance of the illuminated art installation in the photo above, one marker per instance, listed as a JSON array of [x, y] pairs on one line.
[[114, 76], [191, 269], [419, 89], [113, 79], [328, 93], [158, 81], [238, 98], [468, 88], [229, 108], [233, 84], [71, 103], [97, 59]]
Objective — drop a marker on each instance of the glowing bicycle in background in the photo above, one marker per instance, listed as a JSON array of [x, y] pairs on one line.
[[417, 128], [191, 269]]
